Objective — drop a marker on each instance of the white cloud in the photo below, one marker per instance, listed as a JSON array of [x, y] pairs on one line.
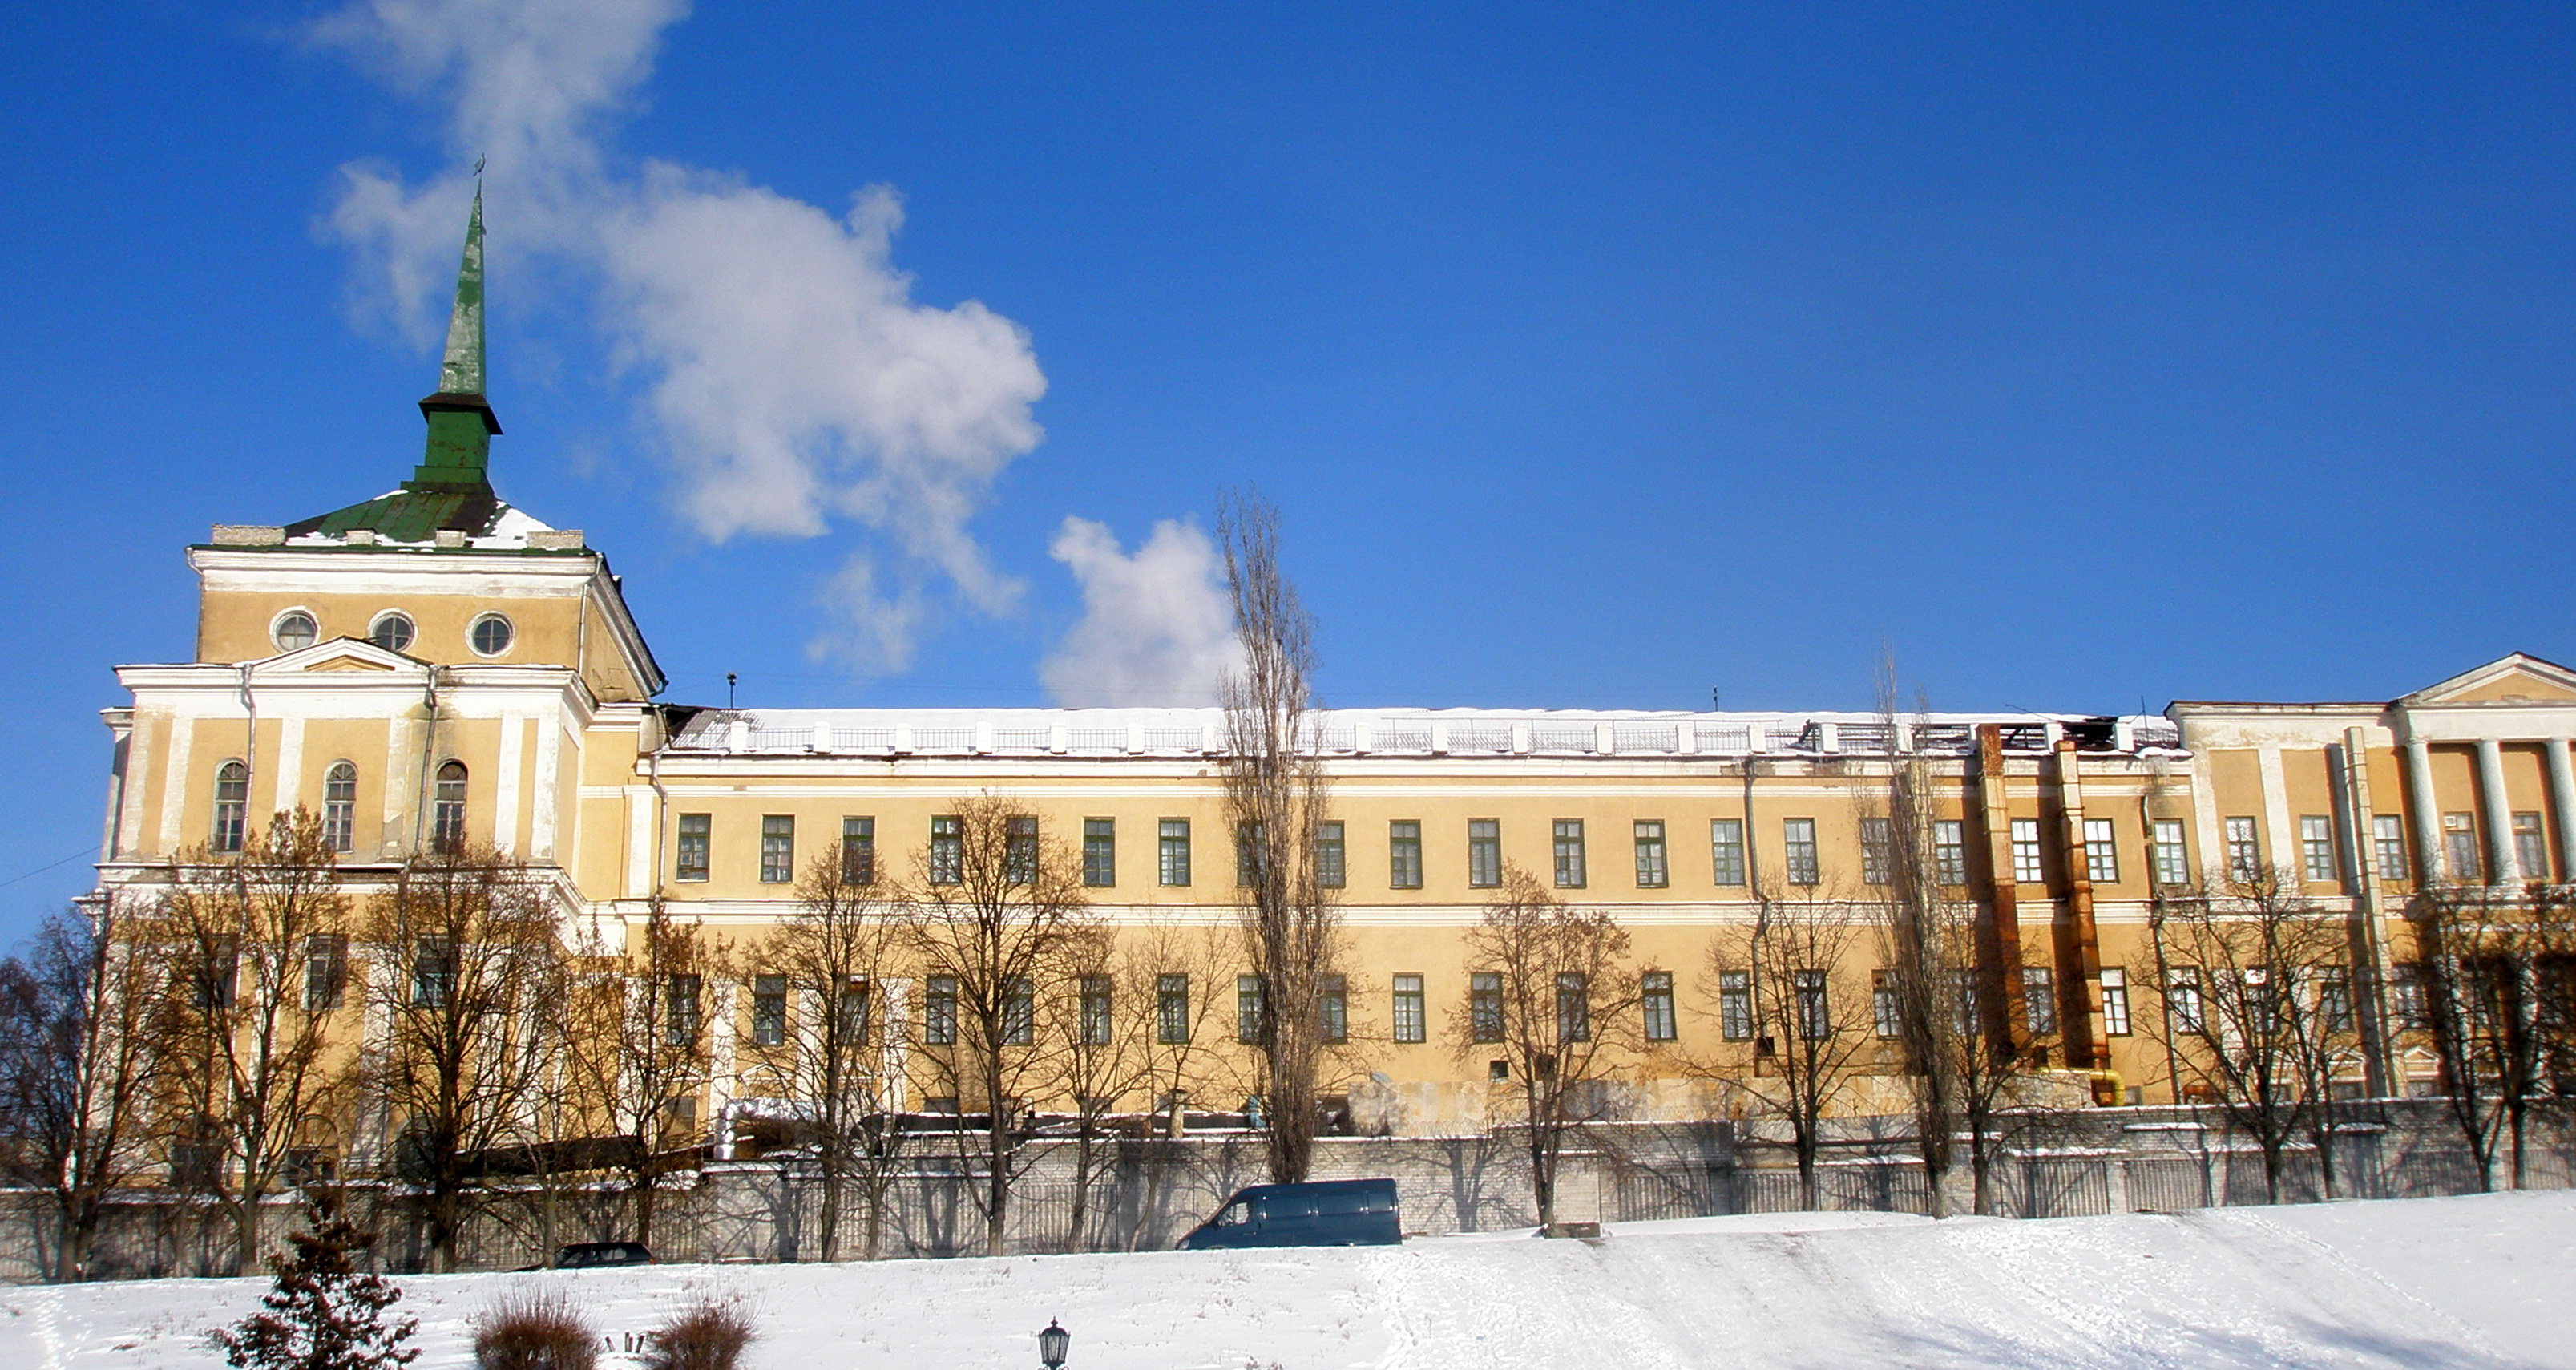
[[1156, 626], [787, 368]]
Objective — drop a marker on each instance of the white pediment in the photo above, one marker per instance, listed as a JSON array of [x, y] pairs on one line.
[[339, 654], [2520, 679]]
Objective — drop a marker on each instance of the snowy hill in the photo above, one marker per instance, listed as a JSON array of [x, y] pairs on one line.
[[2485, 1282]]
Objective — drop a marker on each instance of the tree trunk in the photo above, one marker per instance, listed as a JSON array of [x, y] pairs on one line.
[[997, 1182], [2271, 1170], [1806, 1145], [827, 1224]]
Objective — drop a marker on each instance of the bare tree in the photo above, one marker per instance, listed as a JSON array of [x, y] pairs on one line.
[[1167, 986], [77, 1069], [1804, 1008], [2251, 1010], [994, 924], [1561, 1002], [830, 961], [246, 1060], [638, 1022], [1950, 996], [1276, 795], [472, 991], [2493, 970], [1105, 1046]]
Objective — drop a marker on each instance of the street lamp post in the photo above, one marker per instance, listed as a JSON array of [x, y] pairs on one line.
[[1051, 1345]]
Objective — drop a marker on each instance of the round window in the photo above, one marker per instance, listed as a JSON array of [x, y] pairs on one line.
[[390, 631], [293, 631], [491, 635]]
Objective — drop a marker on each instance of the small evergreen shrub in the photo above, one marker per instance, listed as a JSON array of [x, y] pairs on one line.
[[534, 1330], [708, 1335], [323, 1313]]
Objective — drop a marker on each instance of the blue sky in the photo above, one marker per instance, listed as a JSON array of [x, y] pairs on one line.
[[2085, 355]]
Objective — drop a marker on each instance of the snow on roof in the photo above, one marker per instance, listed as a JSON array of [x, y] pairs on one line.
[[508, 532], [1397, 732]]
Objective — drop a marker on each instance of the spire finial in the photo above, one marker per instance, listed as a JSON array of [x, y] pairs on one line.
[[461, 371], [461, 425]]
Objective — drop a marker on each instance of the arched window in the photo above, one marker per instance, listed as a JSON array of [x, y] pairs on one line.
[[340, 807], [232, 805], [447, 815]]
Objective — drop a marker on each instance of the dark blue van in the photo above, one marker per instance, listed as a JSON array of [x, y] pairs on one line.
[[1323, 1213]]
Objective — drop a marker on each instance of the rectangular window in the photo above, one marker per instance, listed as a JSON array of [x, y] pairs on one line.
[[1651, 871], [2182, 1000], [1726, 850], [2115, 1001], [1885, 1013], [858, 851], [2316, 847], [2460, 848], [433, 971], [1100, 852], [2406, 996], [947, 849], [1333, 1008], [1815, 1012], [326, 971], [1798, 836], [1250, 854], [1569, 853], [1411, 1023], [768, 1010], [219, 972], [1248, 1026], [1655, 993], [1172, 851], [1484, 853], [694, 829], [1172, 1009], [1020, 849], [1573, 1007], [2244, 850], [778, 849], [232, 805], [2530, 846], [1096, 1004], [850, 1020], [939, 1010], [2172, 859], [2028, 869], [2101, 852], [1019, 1012], [340, 808], [1485, 1006], [2388, 841], [2039, 1000], [1329, 870], [1404, 854], [1949, 852], [1735, 1005], [1874, 851], [680, 1010], [2334, 998]]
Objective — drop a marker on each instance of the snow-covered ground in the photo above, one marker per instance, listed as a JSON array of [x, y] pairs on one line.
[[2472, 1282]]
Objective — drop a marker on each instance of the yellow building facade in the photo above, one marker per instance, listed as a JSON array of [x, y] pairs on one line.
[[433, 664]]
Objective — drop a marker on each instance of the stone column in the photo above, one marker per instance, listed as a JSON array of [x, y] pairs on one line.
[[2427, 813], [2562, 800], [2494, 813]]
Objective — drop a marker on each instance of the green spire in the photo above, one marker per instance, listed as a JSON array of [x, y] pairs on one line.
[[461, 425]]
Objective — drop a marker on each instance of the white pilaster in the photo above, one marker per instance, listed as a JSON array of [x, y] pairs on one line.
[[286, 778], [2494, 813], [2281, 840], [541, 822], [639, 842], [138, 772], [174, 782], [505, 785]]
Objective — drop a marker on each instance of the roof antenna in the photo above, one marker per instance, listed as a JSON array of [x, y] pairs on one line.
[[728, 691], [1712, 699]]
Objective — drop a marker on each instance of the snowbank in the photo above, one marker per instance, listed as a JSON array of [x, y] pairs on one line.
[[2485, 1281]]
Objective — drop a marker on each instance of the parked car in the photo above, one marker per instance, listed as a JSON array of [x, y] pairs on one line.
[[1321, 1213], [584, 1255]]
